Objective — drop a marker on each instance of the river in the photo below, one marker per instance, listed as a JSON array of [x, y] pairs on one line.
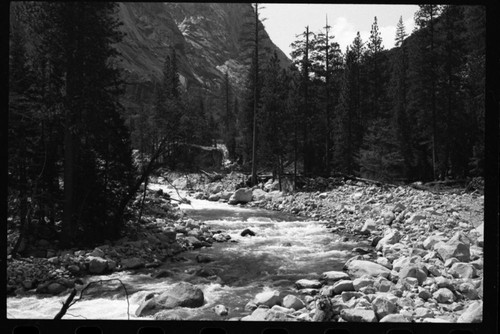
[[285, 248]]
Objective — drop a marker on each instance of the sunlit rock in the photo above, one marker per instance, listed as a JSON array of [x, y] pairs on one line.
[[358, 268], [242, 195], [177, 295], [358, 315], [473, 313]]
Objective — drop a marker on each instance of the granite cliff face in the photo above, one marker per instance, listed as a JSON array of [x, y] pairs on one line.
[[207, 38]]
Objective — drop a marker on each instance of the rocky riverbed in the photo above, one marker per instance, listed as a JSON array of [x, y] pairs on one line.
[[425, 263], [162, 233], [421, 259]]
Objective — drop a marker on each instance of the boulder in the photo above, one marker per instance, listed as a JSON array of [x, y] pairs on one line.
[[388, 216], [221, 310], [348, 295], [455, 247], [97, 252], [168, 315], [423, 312], [214, 197], [258, 194], [246, 232], [97, 265], [268, 298], [308, 284], [424, 293], [358, 315], [415, 218], [384, 262], [443, 282], [480, 232], [395, 318], [272, 185], [259, 314], [391, 237], [333, 276], [195, 242], [468, 290], [133, 263], [221, 237], [362, 282], [242, 195], [463, 270], [415, 271], [177, 295], [432, 240], [225, 195], [473, 313], [358, 268], [444, 295], [200, 258], [291, 301], [343, 285], [55, 288], [370, 225], [383, 306]]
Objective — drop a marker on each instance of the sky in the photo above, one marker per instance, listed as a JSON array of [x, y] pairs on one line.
[[284, 21]]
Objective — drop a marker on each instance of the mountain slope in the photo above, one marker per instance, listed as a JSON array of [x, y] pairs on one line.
[[207, 38]]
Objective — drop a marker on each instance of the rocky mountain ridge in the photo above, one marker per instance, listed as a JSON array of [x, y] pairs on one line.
[[208, 39]]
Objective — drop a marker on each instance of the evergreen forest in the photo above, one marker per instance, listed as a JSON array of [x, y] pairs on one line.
[[78, 156]]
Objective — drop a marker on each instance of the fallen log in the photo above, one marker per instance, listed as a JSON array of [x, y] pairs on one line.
[[212, 177], [360, 179]]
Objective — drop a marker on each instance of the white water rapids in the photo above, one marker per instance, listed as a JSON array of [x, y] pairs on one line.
[[283, 250]]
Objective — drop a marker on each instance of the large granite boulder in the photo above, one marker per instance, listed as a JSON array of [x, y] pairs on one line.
[[268, 298], [358, 268], [358, 315], [242, 195], [391, 237], [97, 265], [177, 295], [455, 247], [473, 313]]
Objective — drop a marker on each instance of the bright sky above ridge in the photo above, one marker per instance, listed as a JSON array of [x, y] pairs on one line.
[[285, 21]]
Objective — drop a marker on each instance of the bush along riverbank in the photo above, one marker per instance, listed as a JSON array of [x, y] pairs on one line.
[[162, 232], [425, 263]]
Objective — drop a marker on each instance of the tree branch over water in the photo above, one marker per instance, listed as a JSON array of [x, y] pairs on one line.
[[70, 301]]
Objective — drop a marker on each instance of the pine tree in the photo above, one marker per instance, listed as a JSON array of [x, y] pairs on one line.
[[273, 132], [75, 42], [300, 56], [425, 19], [375, 73], [251, 38], [399, 88], [348, 119], [475, 35], [326, 63]]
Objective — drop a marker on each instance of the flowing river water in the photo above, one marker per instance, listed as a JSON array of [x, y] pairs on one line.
[[285, 248]]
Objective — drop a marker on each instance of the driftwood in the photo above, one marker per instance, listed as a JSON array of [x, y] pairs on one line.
[[70, 301], [182, 199], [438, 187], [66, 305], [212, 177], [360, 179]]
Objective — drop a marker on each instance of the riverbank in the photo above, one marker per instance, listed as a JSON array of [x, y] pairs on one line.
[[162, 233], [425, 263]]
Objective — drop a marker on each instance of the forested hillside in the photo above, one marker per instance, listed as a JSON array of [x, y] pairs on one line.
[[91, 83], [166, 161], [412, 113]]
